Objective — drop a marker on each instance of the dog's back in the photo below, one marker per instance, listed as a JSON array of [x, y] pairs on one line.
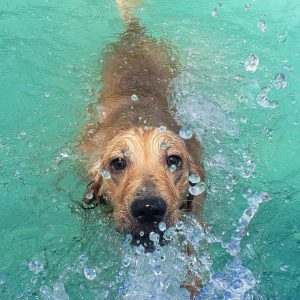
[[137, 64]]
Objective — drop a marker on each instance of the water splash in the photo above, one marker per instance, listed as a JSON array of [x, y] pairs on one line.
[[254, 200], [159, 275], [232, 283]]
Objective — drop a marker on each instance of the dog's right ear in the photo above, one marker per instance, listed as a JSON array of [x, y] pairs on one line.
[[92, 191]]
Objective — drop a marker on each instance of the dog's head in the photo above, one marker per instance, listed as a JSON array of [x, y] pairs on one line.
[[144, 174]]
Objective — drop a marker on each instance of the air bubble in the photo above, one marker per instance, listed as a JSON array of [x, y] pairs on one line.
[[129, 237], [126, 262], [243, 119], [164, 145], [172, 168], [162, 129], [197, 189], [126, 152], [140, 249], [214, 12], [262, 25], [162, 226], [154, 237], [186, 132], [89, 272], [157, 270], [89, 196], [284, 268], [280, 81], [35, 266], [194, 178], [134, 97], [169, 234], [247, 7], [251, 63], [2, 279], [47, 94], [83, 259], [179, 225], [246, 174], [282, 36], [105, 174]]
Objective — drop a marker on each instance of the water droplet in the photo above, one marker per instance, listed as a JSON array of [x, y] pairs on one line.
[[126, 262], [128, 237], [280, 81], [134, 97], [140, 249], [142, 233], [262, 25], [126, 152], [47, 94], [162, 226], [246, 174], [105, 174], [89, 272], [282, 36], [2, 279], [265, 196], [284, 268], [83, 259], [35, 266], [263, 99], [197, 189], [89, 196], [186, 132], [247, 7], [246, 193], [157, 270], [154, 237], [172, 168], [251, 63], [194, 178], [146, 128], [169, 234], [162, 129], [179, 225], [214, 12], [164, 145], [243, 119]]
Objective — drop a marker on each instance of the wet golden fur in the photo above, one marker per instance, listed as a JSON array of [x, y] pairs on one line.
[[138, 64]]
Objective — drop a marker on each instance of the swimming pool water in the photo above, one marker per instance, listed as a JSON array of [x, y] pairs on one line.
[[50, 58]]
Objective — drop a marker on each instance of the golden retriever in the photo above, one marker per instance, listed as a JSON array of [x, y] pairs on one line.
[[135, 156]]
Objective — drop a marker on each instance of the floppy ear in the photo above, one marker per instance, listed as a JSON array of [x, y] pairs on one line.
[[92, 191]]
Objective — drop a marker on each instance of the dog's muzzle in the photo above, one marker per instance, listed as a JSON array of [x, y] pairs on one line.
[[149, 211]]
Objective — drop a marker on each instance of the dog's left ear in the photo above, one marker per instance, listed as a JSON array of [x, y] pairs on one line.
[[92, 191]]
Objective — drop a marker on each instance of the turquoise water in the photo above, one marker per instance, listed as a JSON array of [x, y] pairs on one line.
[[50, 58]]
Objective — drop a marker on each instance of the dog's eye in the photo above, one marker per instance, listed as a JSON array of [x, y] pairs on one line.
[[174, 160], [118, 164]]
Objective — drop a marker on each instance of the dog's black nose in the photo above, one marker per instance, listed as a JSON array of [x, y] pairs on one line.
[[148, 210]]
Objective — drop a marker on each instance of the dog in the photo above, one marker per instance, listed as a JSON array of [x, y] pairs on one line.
[[135, 157]]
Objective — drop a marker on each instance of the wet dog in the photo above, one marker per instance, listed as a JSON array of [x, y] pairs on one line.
[[135, 156]]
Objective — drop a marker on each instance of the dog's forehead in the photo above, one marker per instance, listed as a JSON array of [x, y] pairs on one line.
[[138, 140]]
